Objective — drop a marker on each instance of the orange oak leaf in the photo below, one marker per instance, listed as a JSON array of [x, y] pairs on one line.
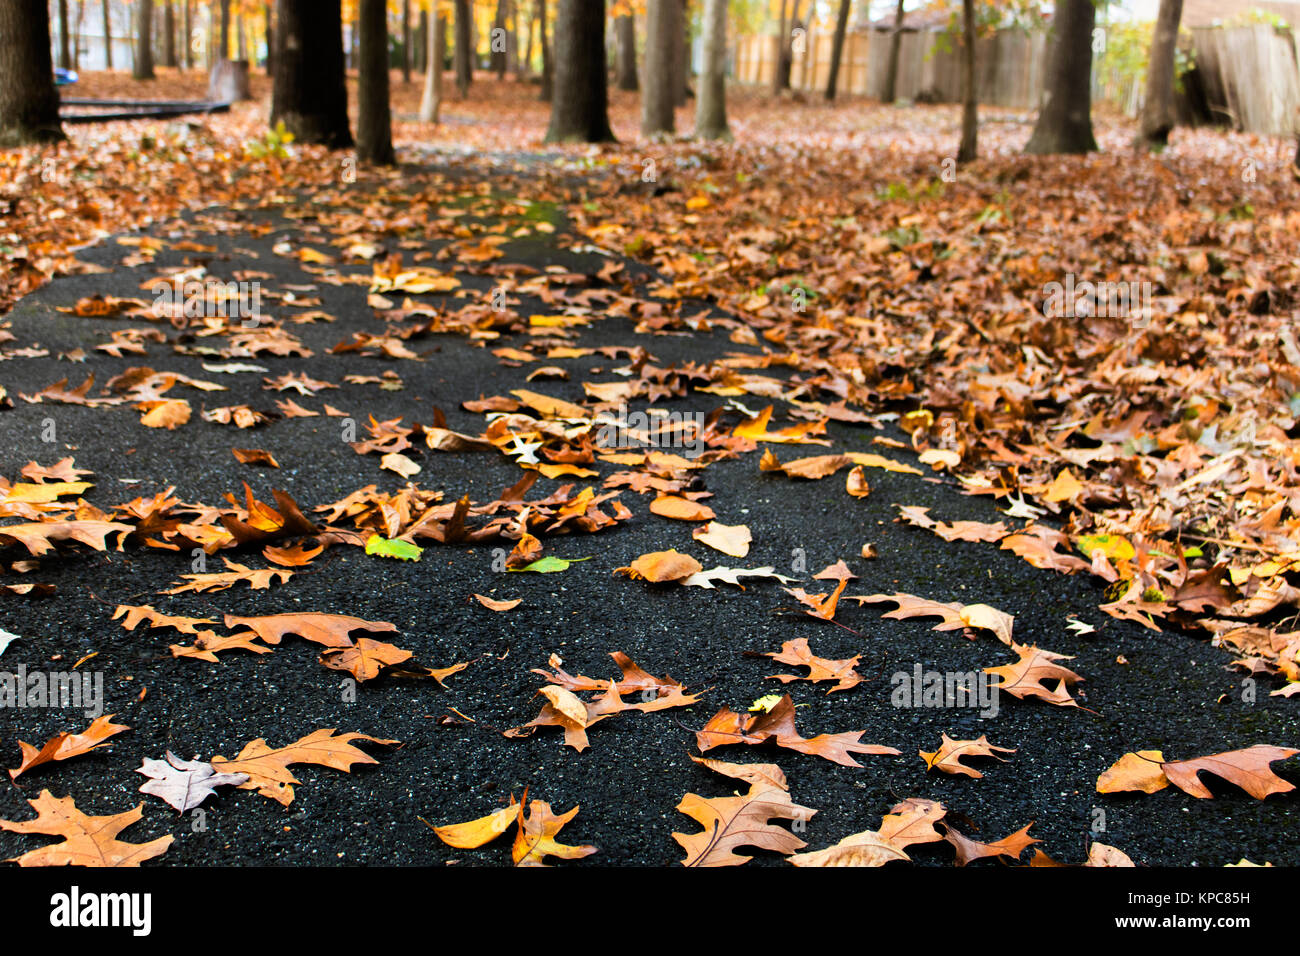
[[797, 653], [65, 745], [777, 725], [87, 841], [268, 767], [744, 820], [951, 752], [1146, 770]]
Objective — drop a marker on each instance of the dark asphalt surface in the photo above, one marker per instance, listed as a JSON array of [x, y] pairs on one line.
[[637, 768]]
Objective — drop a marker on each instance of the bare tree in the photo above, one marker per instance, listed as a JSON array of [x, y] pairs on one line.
[[65, 35], [29, 103], [431, 102], [464, 54], [625, 47], [308, 92], [580, 105], [1157, 119], [967, 150], [895, 49], [837, 48], [108, 34], [144, 41], [1065, 120], [711, 110], [548, 68], [662, 48], [374, 116]]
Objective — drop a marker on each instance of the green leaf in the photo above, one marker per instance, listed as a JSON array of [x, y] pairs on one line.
[[550, 564], [388, 548]]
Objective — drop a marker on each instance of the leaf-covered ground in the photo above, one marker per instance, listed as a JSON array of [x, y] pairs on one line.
[[823, 266]]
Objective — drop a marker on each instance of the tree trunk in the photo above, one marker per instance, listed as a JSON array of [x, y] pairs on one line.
[[662, 47], [682, 57], [108, 34], [29, 103], [406, 44], [223, 50], [580, 110], [65, 47], [144, 41], [1157, 119], [967, 151], [837, 49], [374, 116], [432, 99], [625, 45], [464, 54], [422, 43], [1065, 120], [895, 48], [241, 38], [548, 68], [711, 107], [308, 92], [781, 72], [169, 34], [497, 41], [270, 40]]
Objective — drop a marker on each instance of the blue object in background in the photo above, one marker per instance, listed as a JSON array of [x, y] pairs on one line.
[[64, 77]]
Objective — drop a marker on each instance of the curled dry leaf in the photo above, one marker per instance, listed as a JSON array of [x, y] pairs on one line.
[[65, 745], [494, 605], [661, 567], [682, 509], [733, 540], [1148, 771], [951, 752], [777, 725]]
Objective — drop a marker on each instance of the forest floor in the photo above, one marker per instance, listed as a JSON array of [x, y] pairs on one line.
[[823, 265]]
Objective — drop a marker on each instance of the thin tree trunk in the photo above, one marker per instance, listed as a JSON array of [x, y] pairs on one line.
[[422, 43], [580, 109], [711, 108], [144, 41], [374, 116], [223, 50], [625, 47], [108, 34], [967, 150], [241, 38], [497, 41], [548, 68], [1157, 119], [1065, 121], [188, 45], [662, 45], [781, 72], [65, 46], [406, 43], [895, 48], [270, 40], [29, 103], [464, 55], [169, 34], [309, 93], [682, 61], [431, 102], [837, 49]]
